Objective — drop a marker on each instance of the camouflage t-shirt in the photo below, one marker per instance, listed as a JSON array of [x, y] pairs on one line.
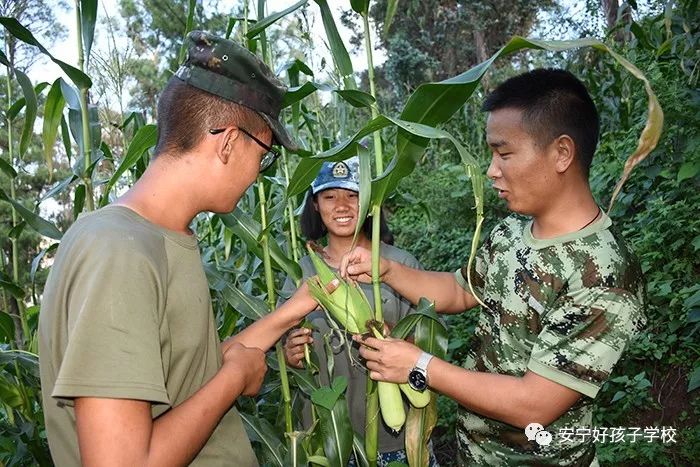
[[564, 308]]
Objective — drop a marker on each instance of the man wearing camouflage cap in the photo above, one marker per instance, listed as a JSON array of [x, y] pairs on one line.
[[132, 370], [563, 295]]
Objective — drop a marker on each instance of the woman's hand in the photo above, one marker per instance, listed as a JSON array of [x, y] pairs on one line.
[[294, 346], [388, 359]]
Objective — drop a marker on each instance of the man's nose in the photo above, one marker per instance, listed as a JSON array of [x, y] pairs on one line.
[[493, 171]]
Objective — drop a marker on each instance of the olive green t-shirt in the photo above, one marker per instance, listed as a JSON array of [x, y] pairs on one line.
[[126, 314], [394, 308]]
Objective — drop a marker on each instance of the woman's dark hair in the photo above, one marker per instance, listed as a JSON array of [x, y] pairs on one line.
[[312, 226]]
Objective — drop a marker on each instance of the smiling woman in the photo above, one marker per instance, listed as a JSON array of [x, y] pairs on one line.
[[331, 213]]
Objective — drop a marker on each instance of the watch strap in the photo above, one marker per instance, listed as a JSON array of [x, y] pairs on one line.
[[423, 361]]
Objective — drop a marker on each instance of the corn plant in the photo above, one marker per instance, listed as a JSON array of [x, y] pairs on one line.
[[246, 252]]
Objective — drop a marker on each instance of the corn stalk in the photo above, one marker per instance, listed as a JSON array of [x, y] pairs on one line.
[[373, 393], [85, 117], [14, 240]]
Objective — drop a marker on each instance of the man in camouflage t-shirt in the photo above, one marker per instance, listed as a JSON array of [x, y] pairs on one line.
[[562, 294]]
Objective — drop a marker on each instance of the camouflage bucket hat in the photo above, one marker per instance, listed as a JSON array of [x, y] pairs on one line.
[[344, 174], [228, 70]]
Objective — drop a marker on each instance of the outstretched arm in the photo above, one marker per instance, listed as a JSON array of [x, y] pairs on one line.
[[266, 331], [440, 287]]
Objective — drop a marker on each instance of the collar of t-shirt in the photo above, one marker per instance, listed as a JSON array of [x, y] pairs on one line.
[[599, 225]]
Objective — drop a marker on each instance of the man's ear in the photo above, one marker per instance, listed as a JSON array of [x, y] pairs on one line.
[[565, 152], [227, 142]]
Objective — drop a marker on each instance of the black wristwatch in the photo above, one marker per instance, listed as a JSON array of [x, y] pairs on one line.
[[418, 377]]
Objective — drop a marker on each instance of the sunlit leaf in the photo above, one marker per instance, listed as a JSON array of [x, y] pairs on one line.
[[356, 98], [262, 24], [143, 140], [188, 27], [20, 32], [53, 111], [36, 222], [29, 113], [7, 168], [338, 50], [88, 18]]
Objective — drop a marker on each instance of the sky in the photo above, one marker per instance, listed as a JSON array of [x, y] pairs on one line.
[[65, 50]]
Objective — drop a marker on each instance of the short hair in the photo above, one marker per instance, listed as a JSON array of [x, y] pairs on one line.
[[312, 227], [186, 113], [553, 102]]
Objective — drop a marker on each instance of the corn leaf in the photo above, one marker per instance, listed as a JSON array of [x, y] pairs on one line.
[[36, 222], [419, 426], [53, 111], [78, 200], [336, 431], [248, 229], [12, 288], [59, 187], [260, 430], [365, 187], [360, 6], [143, 140], [356, 98], [88, 18], [247, 305], [20, 32], [389, 18], [36, 262], [7, 328], [338, 50], [431, 336], [7, 168], [29, 113], [262, 24], [435, 103], [188, 27], [308, 168], [19, 104]]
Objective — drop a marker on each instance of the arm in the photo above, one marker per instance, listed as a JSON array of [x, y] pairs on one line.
[[513, 400], [116, 432], [265, 332], [441, 287]]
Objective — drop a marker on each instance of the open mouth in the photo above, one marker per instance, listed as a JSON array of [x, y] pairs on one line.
[[343, 220]]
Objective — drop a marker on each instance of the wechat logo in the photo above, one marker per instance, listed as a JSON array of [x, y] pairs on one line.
[[536, 432]]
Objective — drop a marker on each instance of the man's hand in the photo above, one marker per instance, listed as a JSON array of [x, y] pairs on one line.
[[388, 359], [246, 363], [116, 432], [294, 346], [357, 265], [303, 300]]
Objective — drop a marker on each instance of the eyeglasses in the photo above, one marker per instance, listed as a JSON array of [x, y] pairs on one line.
[[268, 158]]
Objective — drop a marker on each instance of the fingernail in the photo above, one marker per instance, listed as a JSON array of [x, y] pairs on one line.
[[334, 282]]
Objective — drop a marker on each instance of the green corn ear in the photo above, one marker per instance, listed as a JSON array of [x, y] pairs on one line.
[[416, 398], [324, 272], [347, 304], [391, 405]]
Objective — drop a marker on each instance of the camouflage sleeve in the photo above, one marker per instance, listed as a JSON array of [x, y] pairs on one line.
[[584, 336]]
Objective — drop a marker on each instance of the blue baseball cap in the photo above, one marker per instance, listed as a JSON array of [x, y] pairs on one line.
[[344, 174]]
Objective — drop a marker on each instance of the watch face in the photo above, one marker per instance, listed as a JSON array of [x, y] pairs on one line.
[[416, 379]]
